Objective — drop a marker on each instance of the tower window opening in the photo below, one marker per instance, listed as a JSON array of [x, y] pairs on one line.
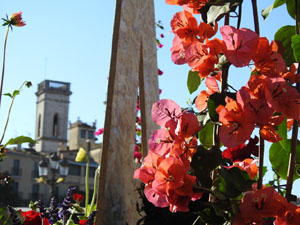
[[39, 126], [55, 125]]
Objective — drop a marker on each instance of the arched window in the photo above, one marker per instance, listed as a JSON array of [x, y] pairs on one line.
[[39, 126], [55, 125]]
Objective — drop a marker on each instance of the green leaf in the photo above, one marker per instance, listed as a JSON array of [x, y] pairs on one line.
[[19, 140], [284, 35], [8, 94], [278, 3], [193, 81], [15, 93], [28, 84], [296, 47], [205, 135], [216, 12], [269, 9], [282, 129], [291, 7], [279, 157]]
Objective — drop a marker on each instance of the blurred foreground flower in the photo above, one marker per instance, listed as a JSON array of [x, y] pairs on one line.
[[14, 20], [81, 155], [99, 132]]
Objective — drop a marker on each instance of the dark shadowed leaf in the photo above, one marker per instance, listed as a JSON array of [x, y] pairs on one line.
[[205, 135]]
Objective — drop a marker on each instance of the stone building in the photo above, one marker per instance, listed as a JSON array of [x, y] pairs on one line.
[[53, 134]]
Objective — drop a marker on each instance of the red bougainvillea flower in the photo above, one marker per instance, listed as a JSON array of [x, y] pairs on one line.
[[78, 198], [16, 19], [169, 175], [33, 218], [212, 87], [177, 2], [267, 60], [262, 203], [243, 151], [158, 199], [207, 31], [199, 58], [291, 75], [185, 26], [239, 45], [237, 124], [291, 216], [99, 132]]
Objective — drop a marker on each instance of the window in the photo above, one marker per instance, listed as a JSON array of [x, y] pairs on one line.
[[55, 125], [35, 171], [83, 134], [39, 126], [74, 170], [35, 192], [15, 188], [90, 134], [16, 168]]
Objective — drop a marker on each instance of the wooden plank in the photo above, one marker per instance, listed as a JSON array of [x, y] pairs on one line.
[[133, 65]]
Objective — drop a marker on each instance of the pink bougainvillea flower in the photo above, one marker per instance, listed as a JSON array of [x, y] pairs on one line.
[[185, 25], [162, 35], [160, 142], [243, 151], [159, 91], [237, 124], [160, 45], [178, 51], [290, 216], [16, 19], [160, 72], [239, 45], [99, 132], [164, 110], [156, 198]]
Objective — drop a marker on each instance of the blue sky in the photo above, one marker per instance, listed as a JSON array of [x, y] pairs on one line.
[[71, 41]]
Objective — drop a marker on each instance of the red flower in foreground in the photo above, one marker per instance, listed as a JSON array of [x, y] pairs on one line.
[[33, 218], [241, 152], [16, 19], [78, 198]]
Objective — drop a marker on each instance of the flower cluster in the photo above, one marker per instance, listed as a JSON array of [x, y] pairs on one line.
[[165, 169]]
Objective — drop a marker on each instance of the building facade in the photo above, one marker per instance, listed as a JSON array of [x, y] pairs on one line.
[[52, 135]]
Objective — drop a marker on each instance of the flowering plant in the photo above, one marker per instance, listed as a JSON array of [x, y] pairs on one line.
[[187, 169]]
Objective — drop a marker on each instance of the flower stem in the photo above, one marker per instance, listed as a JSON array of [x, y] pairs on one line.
[[87, 186], [292, 160], [3, 64], [9, 111], [255, 16], [261, 151], [95, 190]]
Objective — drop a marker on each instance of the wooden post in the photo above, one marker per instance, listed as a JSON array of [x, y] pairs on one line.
[[133, 65]]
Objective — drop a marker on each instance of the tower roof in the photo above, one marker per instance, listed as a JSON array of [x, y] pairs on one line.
[[54, 87]]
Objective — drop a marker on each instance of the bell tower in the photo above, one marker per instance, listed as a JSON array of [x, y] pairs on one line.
[[52, 112]]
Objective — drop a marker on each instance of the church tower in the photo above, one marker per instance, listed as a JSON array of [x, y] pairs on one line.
[[52, 112]]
